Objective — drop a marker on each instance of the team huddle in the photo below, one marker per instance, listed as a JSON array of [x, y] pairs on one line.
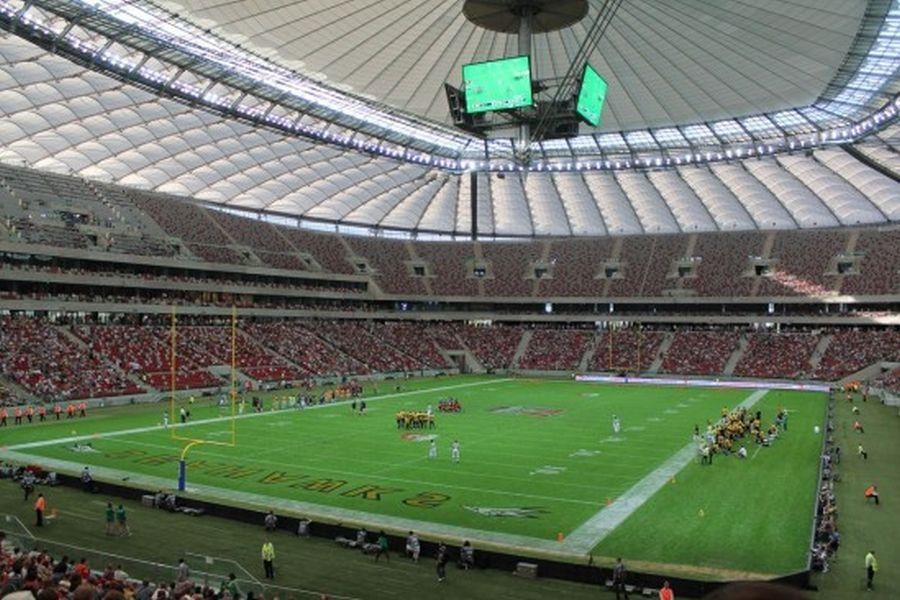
[[415, 419], [723, 436]]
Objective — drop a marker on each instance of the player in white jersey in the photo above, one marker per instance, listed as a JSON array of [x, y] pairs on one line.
[[432, 450], [454, 451], [165, 419], [617, 426]]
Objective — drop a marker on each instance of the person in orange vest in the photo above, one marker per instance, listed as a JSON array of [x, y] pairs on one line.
[[82, 409], [70, 410], [666, 593], [3, 416], [39, 506], [42, 413], [29, 413], [18, 414], [57, 410], [872, 492], [857, 426]]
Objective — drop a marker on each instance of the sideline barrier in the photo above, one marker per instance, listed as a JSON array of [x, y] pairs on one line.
[[586, 572], [723, 383]]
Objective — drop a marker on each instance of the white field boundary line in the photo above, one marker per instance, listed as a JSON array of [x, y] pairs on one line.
[[93, 436], [594, 530]]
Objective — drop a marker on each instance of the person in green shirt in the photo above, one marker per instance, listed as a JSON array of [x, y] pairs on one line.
[[122, 520], [110, 519], [231, 587], [382, 547], [268, 558]]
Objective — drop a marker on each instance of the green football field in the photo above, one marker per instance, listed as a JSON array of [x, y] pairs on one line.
[[541, 470]]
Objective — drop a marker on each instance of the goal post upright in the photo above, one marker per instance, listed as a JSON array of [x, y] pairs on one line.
[[173, 358], [191, 442], [233, 392]]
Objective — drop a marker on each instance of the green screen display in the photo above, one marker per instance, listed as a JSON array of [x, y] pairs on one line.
[[591, 96], [498, 84]]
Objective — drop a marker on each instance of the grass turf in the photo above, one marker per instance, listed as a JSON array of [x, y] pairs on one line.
[[541, 445]]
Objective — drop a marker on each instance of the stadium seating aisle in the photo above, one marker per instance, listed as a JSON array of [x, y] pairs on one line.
[[576, 264], [803, 258], [146, 352], [356, 340], [38, 356], [297, 343], [725, 263], [555, 349], [890, 381], [851, 350], [880, 251], [697, 352], [494, 347]]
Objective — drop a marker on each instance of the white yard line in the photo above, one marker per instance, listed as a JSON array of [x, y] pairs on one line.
[[92, 436], [594, 530]]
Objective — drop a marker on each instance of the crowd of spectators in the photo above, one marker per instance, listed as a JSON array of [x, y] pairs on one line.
[[576, 264], [724, 263], [452, 265], [803, 258], [494, 346], [700, 352], [361, 341], [555, 349], [510, 268], [146, 352], [83, 358], [878, 272], [36, 575], [46, 362], [411, 338], [783, 355], [629, 350], [7, 397], [827, 538], [890, 381], [852, 349], [387, 258], [294, 341]]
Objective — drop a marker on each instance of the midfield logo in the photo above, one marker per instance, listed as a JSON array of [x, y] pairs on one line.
[[516, 513], [528, 411], [418, 437], [82, 448]]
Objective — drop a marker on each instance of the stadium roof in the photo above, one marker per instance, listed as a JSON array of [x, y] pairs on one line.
[[347, 121], [667, 62]]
